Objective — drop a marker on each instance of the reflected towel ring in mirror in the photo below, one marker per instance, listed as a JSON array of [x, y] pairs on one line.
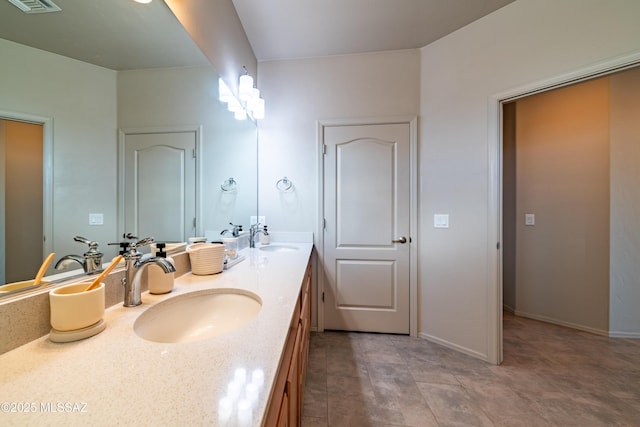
[[229, 185], [284, 184]]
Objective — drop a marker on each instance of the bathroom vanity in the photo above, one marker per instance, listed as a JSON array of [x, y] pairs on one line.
[[251, 376]]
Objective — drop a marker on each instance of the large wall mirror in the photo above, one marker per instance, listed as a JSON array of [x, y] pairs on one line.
[[86, 77]]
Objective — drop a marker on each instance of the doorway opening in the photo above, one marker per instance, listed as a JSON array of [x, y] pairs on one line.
[[568, 162], [26, 202]]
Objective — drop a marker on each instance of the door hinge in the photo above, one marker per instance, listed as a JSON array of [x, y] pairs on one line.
[[194, 222], [193, 152], [324, 223], [498, 246], [323, 297], [324, 148]]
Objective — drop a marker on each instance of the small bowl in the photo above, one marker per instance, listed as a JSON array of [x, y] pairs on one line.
[[72, 308]]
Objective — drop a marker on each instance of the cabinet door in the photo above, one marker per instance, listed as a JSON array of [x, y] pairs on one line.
[[305, 326], [281, 388], [283, 414], [295, 417]]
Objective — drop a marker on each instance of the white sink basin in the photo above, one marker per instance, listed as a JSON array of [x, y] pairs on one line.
[[197, 315], [278, 248]]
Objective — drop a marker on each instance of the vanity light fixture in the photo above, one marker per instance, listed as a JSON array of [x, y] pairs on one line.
[[248, 102], [142, 1]]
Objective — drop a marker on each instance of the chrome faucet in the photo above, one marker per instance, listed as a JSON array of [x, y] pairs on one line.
[[254, 230], [134, 264], [235, 231], [91, 261]]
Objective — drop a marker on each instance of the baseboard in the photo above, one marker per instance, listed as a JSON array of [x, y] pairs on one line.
[[508, 309], [632, 335], [453, 346], [562, 323]]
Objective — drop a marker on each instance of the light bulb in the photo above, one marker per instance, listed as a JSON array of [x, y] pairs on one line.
[[240, 115], [234, 105], [258, 111], [245, 88]]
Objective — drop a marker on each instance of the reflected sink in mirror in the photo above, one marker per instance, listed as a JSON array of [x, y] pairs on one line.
[[197, 315], [278, 248]]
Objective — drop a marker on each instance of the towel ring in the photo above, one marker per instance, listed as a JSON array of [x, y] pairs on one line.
[[229, 185], [284, 184]]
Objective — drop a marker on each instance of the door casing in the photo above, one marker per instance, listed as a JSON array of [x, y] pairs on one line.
[[494, 194]]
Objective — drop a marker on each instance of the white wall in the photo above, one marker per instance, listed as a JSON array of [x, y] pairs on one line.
[[525, 42], [300, 92], [624, 319], [81, 100], [562, 169]]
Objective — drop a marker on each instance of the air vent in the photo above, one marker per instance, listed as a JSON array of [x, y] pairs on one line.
[[35, 6]]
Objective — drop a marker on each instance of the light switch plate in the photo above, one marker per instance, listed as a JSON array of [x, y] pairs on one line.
[[257, 220], [96, 219], [529, 219], [441, 221]]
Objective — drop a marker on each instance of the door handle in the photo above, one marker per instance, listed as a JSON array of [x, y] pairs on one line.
[[400, 240]]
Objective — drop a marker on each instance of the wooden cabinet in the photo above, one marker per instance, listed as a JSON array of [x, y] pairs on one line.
[[305, 329], [285, 407]]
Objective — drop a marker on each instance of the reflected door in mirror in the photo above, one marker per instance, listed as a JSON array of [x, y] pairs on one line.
[[21, 207], [160, 185]]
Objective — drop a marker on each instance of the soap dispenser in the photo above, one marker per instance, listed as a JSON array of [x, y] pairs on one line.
[[264, 237], [158, 281]]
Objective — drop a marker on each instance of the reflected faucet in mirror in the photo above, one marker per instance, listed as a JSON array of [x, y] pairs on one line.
[[234, 231], [91, 261]]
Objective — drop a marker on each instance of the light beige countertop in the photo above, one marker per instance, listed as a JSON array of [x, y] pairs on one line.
[[118, 378]]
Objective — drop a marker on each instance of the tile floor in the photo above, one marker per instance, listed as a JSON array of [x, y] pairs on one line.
[[551, 376]]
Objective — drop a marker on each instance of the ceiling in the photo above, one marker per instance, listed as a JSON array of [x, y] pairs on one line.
[[122, 35], [116, 34], [284, 29]]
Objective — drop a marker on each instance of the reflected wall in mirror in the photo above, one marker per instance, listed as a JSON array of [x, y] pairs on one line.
[[78, 101], [228, 146], [155, 78]]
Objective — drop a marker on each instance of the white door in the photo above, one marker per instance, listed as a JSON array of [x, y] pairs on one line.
[[160, 185], [366, 238]]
